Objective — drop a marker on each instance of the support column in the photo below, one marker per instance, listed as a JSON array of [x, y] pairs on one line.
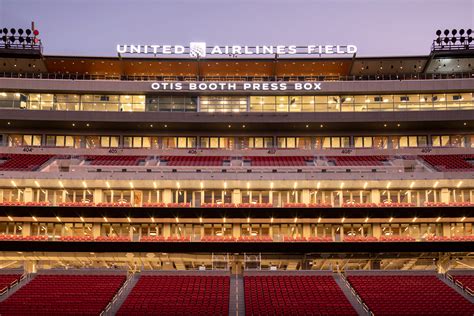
[[96, 230], [375, 196], [306, 230], [28, 195], [26, 231], [446, 230], [444, 195], [236, 196], [376, 230], [97, 196], [236, 230], [167, 196], [30, 266], [305, 196], [166, 230]]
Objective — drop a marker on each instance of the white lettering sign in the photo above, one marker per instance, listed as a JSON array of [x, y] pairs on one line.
[[201, 50], [233, 86]]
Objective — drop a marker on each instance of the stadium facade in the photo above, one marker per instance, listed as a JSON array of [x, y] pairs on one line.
[[235, 159]]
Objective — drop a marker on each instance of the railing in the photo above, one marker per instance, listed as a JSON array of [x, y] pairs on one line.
[[354, 293], [378, 77], [459, 284], [14, 284], [114, 300]]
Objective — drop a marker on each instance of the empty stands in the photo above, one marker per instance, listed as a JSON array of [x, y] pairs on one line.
[[449, 162], [109, 160], [7, 279], [63, 295], [22, 162], [193, 161], [278, 161], [409, 295], [295, 295], [358, 161], [178, 295], [466, 281]]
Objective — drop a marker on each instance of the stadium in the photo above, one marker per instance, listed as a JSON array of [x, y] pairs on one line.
[[195, 180]]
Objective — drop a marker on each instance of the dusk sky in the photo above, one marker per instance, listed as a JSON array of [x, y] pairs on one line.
[[377, 27]]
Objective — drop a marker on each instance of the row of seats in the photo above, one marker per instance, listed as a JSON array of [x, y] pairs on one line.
[[443, 163], [22, 238], [409, 295], [31, 162], [358, 161], [178, 295], [163, 239], [232, 205], [63, 295], [278, 161], [6, 280], [467, 281], [454, 238], [194, 161], [294, 295], [115, 160], [22, 162]]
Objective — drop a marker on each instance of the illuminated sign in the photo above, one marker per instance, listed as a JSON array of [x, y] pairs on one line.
[[236, 86], [201, 50]]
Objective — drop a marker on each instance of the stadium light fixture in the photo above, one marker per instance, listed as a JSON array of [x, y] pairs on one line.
[[10, 218], [34, 218], [463, 218], [438, 219], [459, 184]]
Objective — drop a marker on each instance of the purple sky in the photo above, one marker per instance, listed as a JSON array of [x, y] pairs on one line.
[[377, 27]]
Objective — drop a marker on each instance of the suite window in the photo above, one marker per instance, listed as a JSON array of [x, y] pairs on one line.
[[449, 141], [171, 104], [223, 104], [294, 142], [60, 141], [336, 142], [461, 229], [78, 229], [132, 103], [137, 142], [13, 100], [263, 104], [11, 228], [179, 142], [409, 141], [68, 102], [217, 229], [217, 142], [260, 142], [255, 229], [24, 140]]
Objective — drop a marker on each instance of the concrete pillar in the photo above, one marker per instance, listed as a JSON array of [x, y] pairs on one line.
[[26, 231], [1, 195], [96, 230], [446, 230], [376, 230], [166, 230], [30, 266], [375, 196], [97, 196], [236, 230], [236, 196], [444, 195], [28, 195], [305, 196], [306, 230], [167, 196]]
